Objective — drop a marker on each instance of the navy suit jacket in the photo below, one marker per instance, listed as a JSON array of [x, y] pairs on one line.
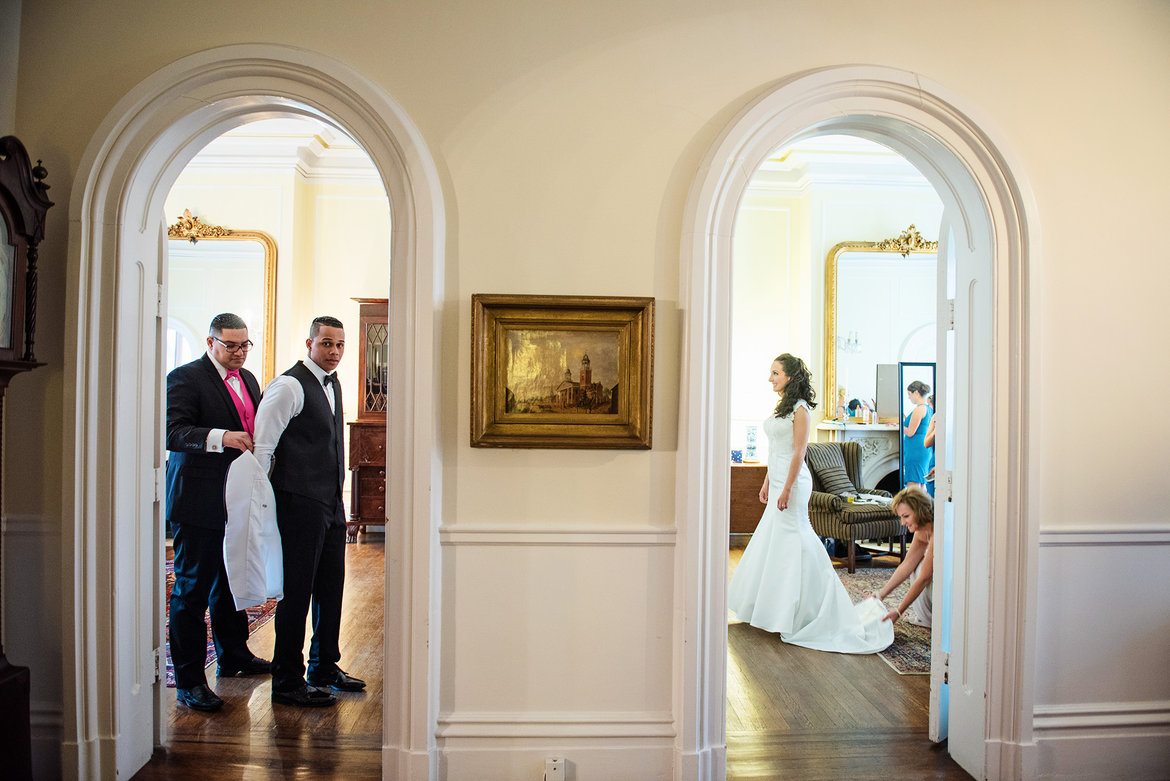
[[198, 401]]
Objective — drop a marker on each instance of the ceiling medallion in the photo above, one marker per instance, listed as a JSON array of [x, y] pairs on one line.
[[189, 227], [909, 241]]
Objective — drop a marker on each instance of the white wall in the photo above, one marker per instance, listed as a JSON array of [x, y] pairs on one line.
[[567, 136]]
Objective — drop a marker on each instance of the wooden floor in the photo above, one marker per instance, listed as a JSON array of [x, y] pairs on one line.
[[252, 739], [809, 715], [791, 712]]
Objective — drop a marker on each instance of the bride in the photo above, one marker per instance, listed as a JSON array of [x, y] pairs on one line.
[[785, 581]]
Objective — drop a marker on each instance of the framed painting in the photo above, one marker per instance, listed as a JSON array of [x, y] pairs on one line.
[[561, 371]]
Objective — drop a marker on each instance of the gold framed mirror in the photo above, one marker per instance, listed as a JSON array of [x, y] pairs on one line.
[[880, 308], [212, 269]]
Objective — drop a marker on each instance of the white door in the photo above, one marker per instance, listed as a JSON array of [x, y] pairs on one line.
[[135, 429], [966, 447], [940, 638], [162, 695]]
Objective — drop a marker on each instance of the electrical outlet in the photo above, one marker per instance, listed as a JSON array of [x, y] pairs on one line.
[[554, 769]]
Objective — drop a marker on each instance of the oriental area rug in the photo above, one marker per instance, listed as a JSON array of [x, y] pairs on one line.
[[910, 653], [257, 617]]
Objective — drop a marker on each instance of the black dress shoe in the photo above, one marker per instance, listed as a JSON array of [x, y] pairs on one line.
[[339, 680], [199, 698], [304, 697], [254, 666]]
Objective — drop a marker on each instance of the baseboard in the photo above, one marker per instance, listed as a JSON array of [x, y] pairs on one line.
[[47, 726], [513, 746], [709, 764], [1007, 761], [631, 762], [1129, 740], [399, 764]]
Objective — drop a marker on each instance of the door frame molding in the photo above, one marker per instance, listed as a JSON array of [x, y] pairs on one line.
[[114, 425], [940, 134]]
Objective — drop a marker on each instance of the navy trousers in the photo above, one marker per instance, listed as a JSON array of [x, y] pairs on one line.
[[201, 583]]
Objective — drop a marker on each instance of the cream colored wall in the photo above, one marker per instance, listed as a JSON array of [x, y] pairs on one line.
[[567, 135], [9, 59], [772, 298]]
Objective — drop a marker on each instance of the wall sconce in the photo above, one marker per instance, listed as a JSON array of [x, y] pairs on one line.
[[850, 343]]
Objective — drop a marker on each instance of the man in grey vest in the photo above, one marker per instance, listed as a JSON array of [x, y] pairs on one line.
[[300, 441]]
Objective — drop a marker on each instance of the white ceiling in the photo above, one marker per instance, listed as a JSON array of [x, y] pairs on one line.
[[316, 150], [836, 162]]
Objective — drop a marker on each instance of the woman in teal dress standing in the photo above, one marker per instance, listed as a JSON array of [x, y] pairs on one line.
[[915, 454]]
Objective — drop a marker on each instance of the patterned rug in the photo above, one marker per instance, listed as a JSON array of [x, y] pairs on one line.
[[910, 653], [257, 617]]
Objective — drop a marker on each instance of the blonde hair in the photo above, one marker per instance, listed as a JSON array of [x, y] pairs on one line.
[[919, 503]]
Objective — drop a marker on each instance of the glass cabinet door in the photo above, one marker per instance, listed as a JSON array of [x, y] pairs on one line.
[[377, 358]]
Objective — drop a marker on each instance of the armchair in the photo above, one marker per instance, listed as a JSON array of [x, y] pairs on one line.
[[832, 516]]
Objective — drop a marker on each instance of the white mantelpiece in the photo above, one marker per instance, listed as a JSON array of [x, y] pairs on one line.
[[879, 446]]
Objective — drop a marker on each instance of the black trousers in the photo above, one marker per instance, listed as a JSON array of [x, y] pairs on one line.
[[312, 537], [201, 583]]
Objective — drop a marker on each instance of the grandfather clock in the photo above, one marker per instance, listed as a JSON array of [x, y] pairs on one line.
[[23, 205]]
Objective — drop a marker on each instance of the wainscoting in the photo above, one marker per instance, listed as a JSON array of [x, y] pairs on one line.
[[1088, 724], [568, 666], [32, 628]]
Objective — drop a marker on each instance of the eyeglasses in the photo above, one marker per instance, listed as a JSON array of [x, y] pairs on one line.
[[234, 348]]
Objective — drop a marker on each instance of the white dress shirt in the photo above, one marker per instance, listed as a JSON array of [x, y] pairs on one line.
[[284, 399]]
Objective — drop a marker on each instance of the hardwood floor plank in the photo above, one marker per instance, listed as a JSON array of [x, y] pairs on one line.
[[253, 739], [810, 715]]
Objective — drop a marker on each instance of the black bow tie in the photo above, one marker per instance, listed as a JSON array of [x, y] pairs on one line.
[[328, 379]]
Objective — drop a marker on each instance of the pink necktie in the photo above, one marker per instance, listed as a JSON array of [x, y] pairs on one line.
[[242, 401]]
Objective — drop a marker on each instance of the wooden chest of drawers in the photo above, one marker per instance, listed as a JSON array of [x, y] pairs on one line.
[[746, 508], [367, 464]]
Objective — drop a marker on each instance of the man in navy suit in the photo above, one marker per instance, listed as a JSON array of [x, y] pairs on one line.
[[211, 413]]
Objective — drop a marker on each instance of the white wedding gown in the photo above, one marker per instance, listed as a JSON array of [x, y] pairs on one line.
[[785, 581]]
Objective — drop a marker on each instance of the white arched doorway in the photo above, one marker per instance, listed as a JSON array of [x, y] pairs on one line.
[[986, 207], [113, 407]]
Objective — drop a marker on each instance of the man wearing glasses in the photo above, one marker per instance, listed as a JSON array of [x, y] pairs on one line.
[[211, 413]]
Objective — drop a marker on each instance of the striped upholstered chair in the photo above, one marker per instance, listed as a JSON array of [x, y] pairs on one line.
[[836, 472]]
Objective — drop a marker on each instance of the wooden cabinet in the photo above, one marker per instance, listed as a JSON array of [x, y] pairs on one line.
[[746, 509], [367, 466], [367, 434]]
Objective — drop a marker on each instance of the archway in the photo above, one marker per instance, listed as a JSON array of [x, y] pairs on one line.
[[114, 406], [986, 208]]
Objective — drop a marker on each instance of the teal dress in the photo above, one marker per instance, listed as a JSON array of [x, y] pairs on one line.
[[916, 455]]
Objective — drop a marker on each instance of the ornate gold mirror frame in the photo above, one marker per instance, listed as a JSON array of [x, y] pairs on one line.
[[909, 241], [189, 228]]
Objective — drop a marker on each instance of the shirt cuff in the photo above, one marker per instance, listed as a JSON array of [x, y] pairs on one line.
[[215, 440]]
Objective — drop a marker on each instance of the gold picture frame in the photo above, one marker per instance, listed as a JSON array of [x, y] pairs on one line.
[[534, 383], [188, 229]]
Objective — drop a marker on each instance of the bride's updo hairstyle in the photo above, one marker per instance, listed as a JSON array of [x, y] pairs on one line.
[[799, 385]]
